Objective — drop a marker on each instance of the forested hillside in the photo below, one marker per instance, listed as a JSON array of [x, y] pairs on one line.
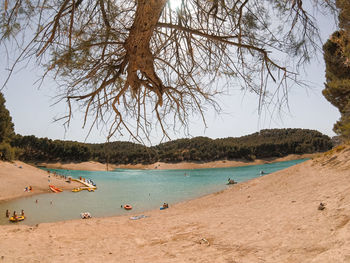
[[266, 143]]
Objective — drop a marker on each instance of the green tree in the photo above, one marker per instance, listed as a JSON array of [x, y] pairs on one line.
[[337, 58], [6, 131], [6, 125], [145, 62]]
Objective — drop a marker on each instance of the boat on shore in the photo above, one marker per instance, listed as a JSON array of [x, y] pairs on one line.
[[55, 189]]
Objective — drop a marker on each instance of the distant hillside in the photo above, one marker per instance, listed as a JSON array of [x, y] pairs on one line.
[[264, 144]]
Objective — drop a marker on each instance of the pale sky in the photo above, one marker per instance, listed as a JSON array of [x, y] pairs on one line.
[[33, 114]]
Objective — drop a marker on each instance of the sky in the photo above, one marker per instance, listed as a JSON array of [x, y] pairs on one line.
[[33, 112]]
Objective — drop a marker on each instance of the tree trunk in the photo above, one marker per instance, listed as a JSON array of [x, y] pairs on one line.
[[139, 55]]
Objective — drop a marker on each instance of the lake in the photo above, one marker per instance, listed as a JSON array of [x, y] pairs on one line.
[[143, 189]]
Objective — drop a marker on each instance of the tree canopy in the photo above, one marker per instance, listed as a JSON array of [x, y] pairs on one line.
[[133, 64], [6, 125], [264, 144], [6, 131], [337, 58]]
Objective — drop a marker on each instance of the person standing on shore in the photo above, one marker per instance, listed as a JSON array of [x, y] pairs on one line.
[[7, 213]]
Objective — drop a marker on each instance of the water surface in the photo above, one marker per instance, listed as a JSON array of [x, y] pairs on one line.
[[143, 189]]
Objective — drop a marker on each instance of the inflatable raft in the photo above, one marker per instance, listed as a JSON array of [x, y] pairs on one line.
[[17, 218], [127, 207]]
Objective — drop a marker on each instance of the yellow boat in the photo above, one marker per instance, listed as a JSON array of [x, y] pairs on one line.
[[17, 218], [76, 189], [91, 190]]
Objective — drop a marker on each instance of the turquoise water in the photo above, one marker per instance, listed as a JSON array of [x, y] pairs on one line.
[[143, 189]]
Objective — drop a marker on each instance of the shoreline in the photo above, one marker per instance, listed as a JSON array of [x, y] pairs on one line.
[[30, 175], [273, 218], [96, 166], [16, 176]]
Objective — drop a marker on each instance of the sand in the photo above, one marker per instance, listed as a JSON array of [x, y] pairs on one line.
[[274, 218], [83, 166], [96, 166], [14, 177]]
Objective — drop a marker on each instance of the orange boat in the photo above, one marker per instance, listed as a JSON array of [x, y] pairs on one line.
[[55, 189]]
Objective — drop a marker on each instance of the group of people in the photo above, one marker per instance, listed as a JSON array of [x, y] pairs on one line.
[[14, 213], [165, 205], [89, 181], [57, 175], [85, 215], [28, 188]]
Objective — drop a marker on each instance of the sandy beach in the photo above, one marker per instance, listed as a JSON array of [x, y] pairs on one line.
[[83, 166], [14, 177], [274, 218]]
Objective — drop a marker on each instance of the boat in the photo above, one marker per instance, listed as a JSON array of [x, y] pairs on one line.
[[55, 189], [77, 189], [17, 218], [127, 207]]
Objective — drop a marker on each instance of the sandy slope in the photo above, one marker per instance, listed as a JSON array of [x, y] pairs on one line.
[[14, 179], [83, 166], [274, 218]]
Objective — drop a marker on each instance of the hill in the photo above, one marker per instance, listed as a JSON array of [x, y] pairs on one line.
[[265, 144]]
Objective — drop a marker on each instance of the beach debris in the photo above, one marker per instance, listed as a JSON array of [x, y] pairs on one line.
[[204, 241], [321, 206], [85, 215], [138, 217]]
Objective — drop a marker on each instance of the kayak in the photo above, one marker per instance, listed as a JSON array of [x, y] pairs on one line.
[[55, 189]]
